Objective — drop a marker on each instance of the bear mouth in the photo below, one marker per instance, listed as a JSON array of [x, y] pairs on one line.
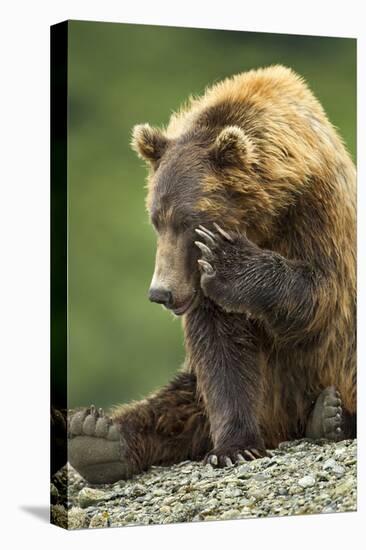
[[185, 306]]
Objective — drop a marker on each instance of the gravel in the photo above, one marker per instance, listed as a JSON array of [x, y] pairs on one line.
[[302, 477]]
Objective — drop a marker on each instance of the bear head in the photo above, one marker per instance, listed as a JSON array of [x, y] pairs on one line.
[[205, 175]]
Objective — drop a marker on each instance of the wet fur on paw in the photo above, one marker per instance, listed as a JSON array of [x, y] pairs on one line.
[[96, 447], [326, 419]]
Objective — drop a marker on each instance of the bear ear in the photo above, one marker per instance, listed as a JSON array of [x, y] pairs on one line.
[[233, 146], [149, 143]]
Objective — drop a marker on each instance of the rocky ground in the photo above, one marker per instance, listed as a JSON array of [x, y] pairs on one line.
[[302, 477]]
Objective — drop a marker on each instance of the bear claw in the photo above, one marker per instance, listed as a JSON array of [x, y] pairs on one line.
[[204, 249], [231, 458], [212, 460], [209, 247], [207, 267], [203, 228], [208, 238], [223, 233], [94, 423]]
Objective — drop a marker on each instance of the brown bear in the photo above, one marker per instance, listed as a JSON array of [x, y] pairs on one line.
[[252, 195]]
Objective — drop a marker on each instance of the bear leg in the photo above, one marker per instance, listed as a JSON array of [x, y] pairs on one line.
[[166, 428]]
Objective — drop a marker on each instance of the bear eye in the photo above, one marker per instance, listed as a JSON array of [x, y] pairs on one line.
[[154, 218], [180, 225]]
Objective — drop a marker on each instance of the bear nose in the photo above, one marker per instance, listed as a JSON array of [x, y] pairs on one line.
[[161, 296]]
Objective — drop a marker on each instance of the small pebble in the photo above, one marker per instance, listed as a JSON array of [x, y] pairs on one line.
[[329, 464], [88, 496], [307, 481]]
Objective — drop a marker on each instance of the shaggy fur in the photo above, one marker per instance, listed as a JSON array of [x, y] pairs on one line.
[[268, 304], [258, 155]]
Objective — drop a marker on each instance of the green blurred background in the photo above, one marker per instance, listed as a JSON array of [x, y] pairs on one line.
[[120, 345]]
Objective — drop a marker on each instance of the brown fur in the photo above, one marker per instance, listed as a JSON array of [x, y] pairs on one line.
[[257, 154]]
